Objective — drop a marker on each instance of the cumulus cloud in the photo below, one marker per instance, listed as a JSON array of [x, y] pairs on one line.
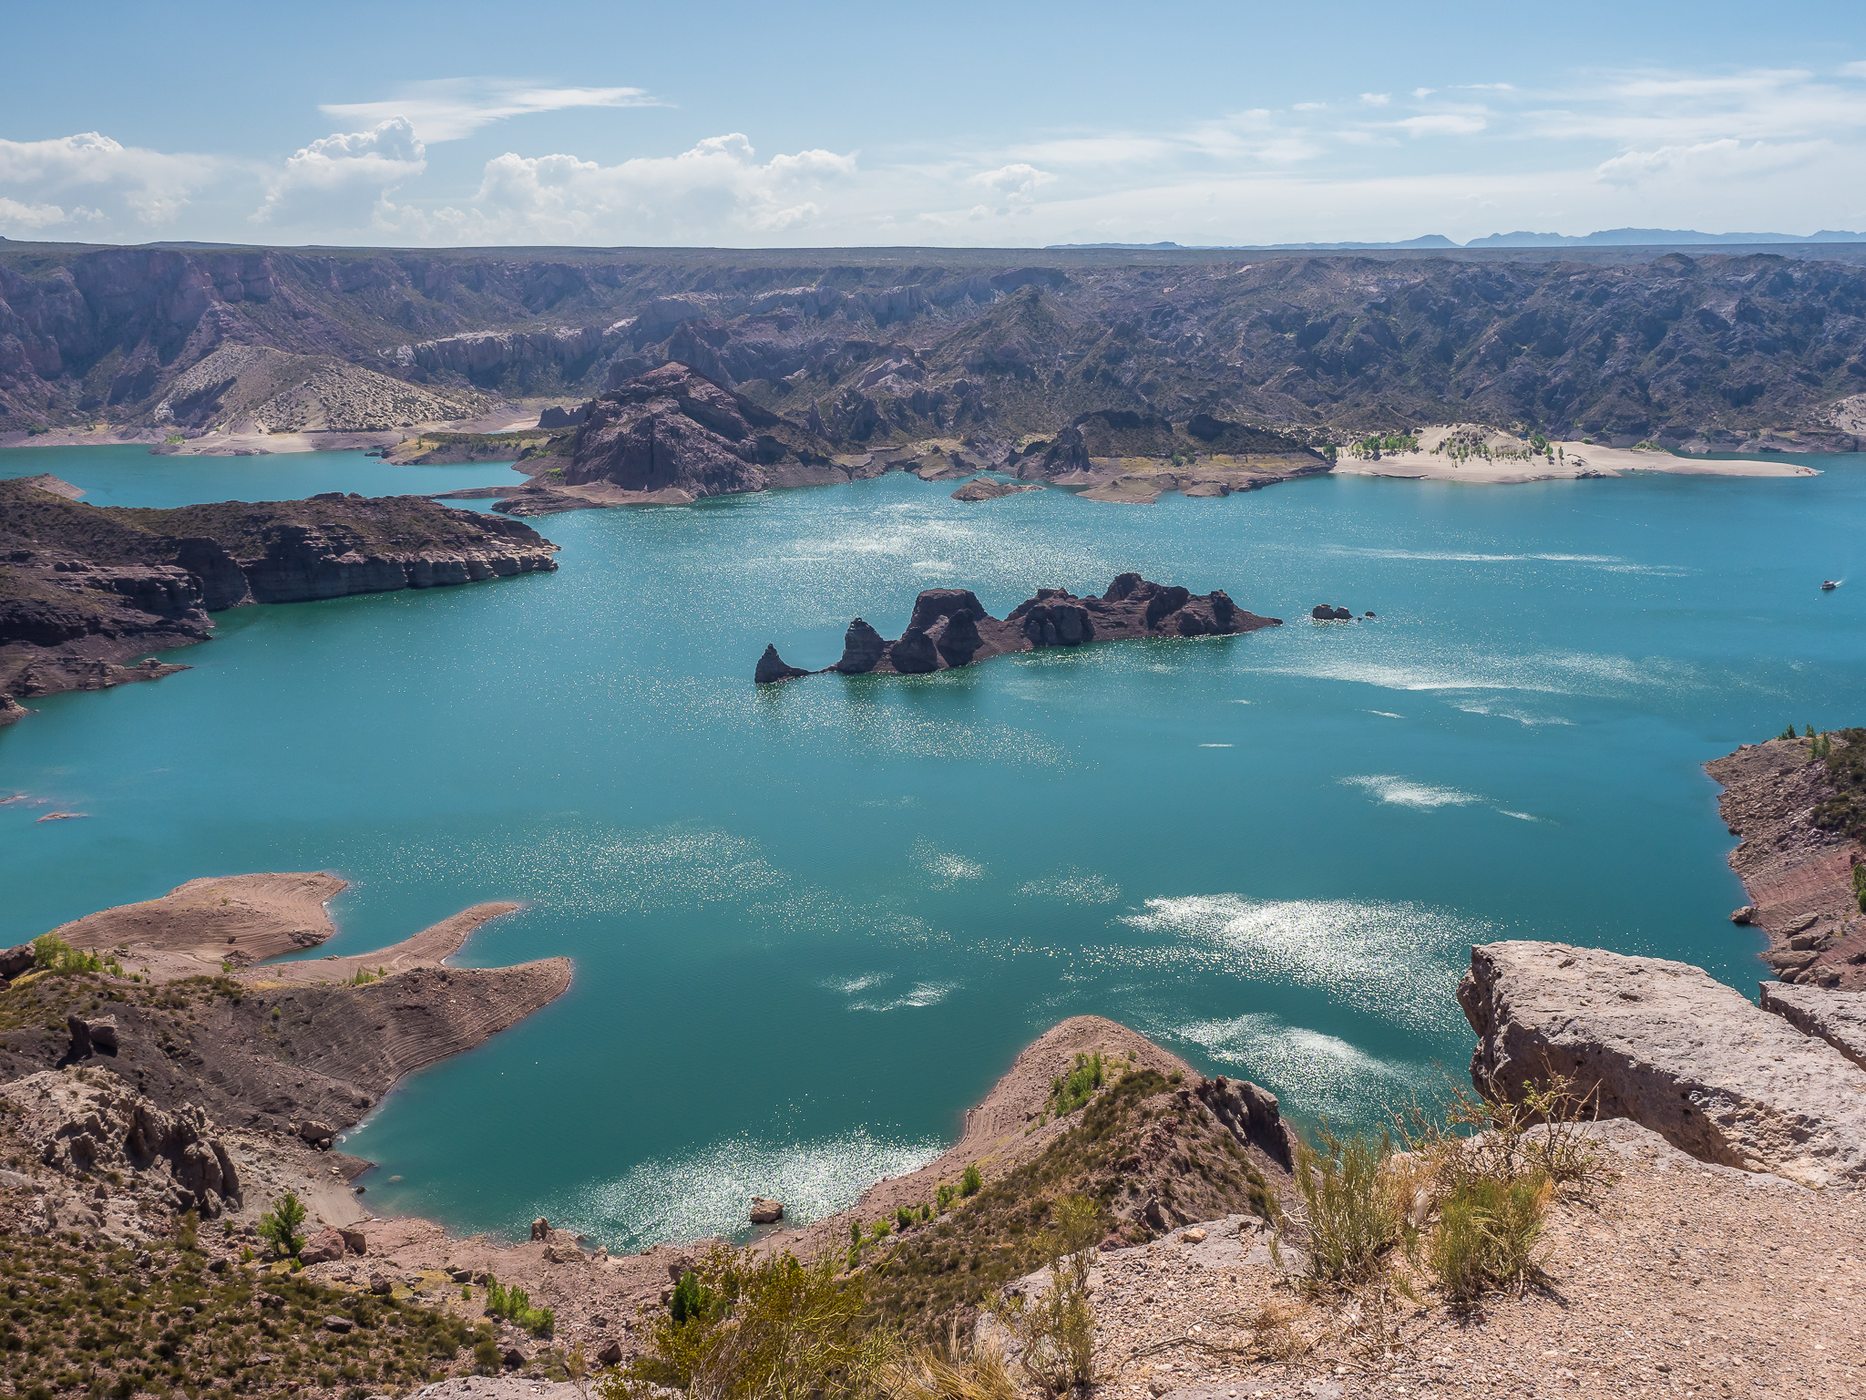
[[713, 191], [151, 186], [1376, 99], [446, 109], [332, 175], [29, 218], [1013, 186]]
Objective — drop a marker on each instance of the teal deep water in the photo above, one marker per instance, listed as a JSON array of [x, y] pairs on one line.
[[812, 924]]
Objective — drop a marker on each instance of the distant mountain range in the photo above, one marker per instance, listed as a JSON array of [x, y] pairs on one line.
[[1522, 238]]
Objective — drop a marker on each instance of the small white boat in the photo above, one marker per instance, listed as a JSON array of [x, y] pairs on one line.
[[1828, 585]]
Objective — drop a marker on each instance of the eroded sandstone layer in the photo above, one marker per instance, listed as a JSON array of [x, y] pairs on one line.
[[1795, 813], [950, 627]]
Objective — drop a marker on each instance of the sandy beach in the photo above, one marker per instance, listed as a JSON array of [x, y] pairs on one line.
[[1573, 460]]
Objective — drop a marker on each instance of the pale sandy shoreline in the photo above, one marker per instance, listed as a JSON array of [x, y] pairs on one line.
[[1573, 461]]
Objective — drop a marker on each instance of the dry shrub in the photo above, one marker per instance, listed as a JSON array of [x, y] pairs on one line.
[[952, 1374], [1489, 1168], [1489, 1229], [1353, 1208], [1055, 1330]]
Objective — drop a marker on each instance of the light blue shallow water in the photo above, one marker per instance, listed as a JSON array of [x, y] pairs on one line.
[[812, 924]]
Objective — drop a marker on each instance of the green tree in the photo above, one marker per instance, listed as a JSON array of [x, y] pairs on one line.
[[282, 1226]]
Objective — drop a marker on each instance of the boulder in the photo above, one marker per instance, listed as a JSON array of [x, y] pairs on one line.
[[1743, 914], [354, 1241], [772, 668], [1666, 1045], [609, 1353], [540, 1229], [766, 1210], [91, 1035], [325, 1247], [316, 1134], [15, 962]]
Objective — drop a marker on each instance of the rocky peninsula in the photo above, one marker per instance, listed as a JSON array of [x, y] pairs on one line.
[[951, 628], [85, 591]]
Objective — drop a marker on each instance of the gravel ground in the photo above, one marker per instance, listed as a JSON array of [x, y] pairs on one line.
[[1680, 1279]]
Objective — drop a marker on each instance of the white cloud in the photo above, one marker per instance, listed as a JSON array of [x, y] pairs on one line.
[[1853, 70], [446, 109], [1441, 124], [1725, 159], [1376, 99], [715, 191], [1423, 92], [1309, 107], [152, 186], [1013, 186], [28, 217], [337, 174]]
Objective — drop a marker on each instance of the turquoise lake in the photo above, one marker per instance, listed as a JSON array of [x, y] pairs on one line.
[[812, 924]]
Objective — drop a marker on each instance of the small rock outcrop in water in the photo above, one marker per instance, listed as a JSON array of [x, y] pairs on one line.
[[89, 589], [1666, 1045], [951, 628], [985, 488], [1329, 612], [766, 1210], [772, 667]]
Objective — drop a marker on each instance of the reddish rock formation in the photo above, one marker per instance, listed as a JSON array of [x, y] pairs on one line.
[[950, 627], [1798, 872]]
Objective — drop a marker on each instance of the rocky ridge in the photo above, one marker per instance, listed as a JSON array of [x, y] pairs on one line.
[[84, 590], [878, 348], [950, 627]]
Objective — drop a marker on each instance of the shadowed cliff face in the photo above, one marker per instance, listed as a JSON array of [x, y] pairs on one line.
[[84, 590], [869, 347]]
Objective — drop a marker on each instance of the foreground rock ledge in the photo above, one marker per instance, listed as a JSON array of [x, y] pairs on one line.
[[1671, 1048], [950, 627]]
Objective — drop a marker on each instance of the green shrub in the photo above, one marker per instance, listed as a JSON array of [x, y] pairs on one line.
[[774, 1329], [52, 954], [1353, 1211], [515, 1306], [970, 1181], [282, 1226], [1487, 1235], [691, 1298], [1070, 1091]]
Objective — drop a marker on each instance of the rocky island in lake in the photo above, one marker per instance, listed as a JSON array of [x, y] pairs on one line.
[[950, 627]]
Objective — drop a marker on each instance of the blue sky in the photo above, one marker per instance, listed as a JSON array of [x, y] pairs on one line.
[[1002, 124]]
